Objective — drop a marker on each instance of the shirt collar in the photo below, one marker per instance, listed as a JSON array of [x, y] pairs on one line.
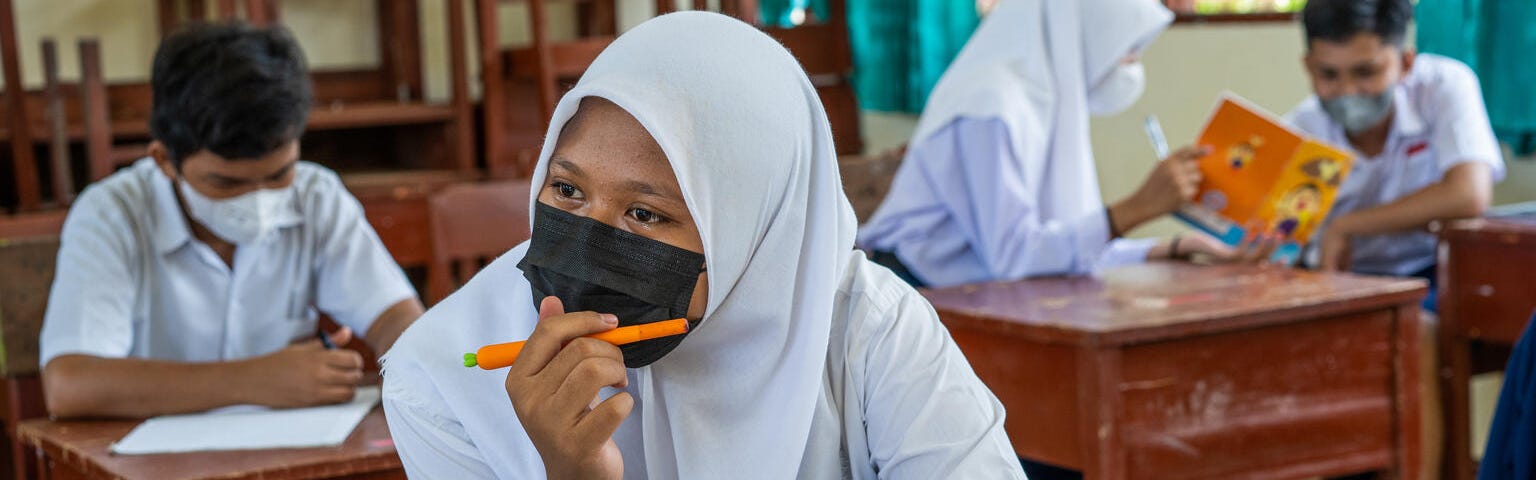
[[171, 229], [1405, 119]]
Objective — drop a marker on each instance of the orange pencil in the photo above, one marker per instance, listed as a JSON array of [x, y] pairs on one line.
[[491, 357]]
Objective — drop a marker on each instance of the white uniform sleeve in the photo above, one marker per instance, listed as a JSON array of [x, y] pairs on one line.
[[90, 306], [1009, 233], [927, 415], [1460, 123], [356, 278], [430, 443]]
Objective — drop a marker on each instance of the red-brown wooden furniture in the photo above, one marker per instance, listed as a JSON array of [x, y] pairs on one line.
[[472, 224], [1183, 371], [79, 450], [1486, 297]]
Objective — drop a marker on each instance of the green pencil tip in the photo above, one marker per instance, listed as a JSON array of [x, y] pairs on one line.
[[469, 360]]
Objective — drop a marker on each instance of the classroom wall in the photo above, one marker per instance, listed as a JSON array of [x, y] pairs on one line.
[[1187, 68]]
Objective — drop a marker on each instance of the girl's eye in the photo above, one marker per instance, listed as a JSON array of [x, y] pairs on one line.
[[644, 216], [566, 190]]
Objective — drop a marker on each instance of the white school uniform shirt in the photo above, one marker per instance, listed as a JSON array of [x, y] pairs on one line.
[[1439, 122], [809, 361], [133, 282], [939, 223], [999, 182]]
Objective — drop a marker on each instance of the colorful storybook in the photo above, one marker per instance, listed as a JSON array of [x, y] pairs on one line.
[[1262, 174]]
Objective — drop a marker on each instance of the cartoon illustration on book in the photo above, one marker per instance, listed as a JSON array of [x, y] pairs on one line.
[[1262, 172], [1296, 208], [1325, 170], [1241, 154]]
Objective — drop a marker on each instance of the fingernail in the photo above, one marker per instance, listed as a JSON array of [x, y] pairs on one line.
[[610, 319]]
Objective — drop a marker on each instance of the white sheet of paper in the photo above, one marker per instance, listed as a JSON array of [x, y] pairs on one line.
[[246, 428]]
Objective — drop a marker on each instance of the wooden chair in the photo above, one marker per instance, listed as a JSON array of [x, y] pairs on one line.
[[867, 180], [513, 79], [472, 224], [23, 160], [822, 47], [92, 126], [26, 274]]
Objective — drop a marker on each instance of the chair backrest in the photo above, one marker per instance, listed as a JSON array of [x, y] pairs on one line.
[[472, 224], [26, 274], [90, 95]]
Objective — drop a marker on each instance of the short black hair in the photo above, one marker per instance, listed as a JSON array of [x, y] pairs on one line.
[[237, 90], [1340, 20]]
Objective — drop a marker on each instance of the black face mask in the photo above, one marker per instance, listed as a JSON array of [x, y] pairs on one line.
[[591, 266]]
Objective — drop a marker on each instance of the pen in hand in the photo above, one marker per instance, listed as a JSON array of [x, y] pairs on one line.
[[1155, 134], [325, 340]]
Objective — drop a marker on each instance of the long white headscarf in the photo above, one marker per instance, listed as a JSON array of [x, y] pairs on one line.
[[1031, 64], [752, 149]]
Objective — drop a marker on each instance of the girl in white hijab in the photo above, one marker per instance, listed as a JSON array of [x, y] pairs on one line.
[[999, 183], [691, 173]]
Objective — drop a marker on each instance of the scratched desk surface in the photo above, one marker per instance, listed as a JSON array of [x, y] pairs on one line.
[[79, 449], [1161, 300]]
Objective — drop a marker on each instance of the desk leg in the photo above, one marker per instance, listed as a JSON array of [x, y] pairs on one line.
[[1409, 409], [1455, 379], [1098, 393]]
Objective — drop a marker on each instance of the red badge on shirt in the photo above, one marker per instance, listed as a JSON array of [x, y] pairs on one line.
[[1417, 147]]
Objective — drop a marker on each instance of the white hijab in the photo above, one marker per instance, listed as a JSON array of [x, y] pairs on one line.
[[1031, 64], [752, 149]]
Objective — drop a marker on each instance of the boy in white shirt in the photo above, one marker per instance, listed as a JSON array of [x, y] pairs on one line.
[[1425, 149], [193, 279]]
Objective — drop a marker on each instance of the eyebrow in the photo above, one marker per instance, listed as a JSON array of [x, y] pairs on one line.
[[644, 188], [235, 180], [568, 165]]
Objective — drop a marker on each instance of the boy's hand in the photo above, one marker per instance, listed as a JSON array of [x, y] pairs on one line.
[[554, 386], [306, 373], [1333, 250]]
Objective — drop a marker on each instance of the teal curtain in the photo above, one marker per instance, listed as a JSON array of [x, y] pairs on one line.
[[778, 12], [900, 47], [1497, 38]]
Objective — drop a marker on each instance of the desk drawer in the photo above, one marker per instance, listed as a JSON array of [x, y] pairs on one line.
[[1300, 399]]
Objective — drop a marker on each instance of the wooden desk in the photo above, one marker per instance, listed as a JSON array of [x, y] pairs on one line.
[[1486, 296], [72, 450], [1180, 371]]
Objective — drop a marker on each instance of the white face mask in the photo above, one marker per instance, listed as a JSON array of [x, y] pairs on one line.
[[1118, 90], [243, 219]]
